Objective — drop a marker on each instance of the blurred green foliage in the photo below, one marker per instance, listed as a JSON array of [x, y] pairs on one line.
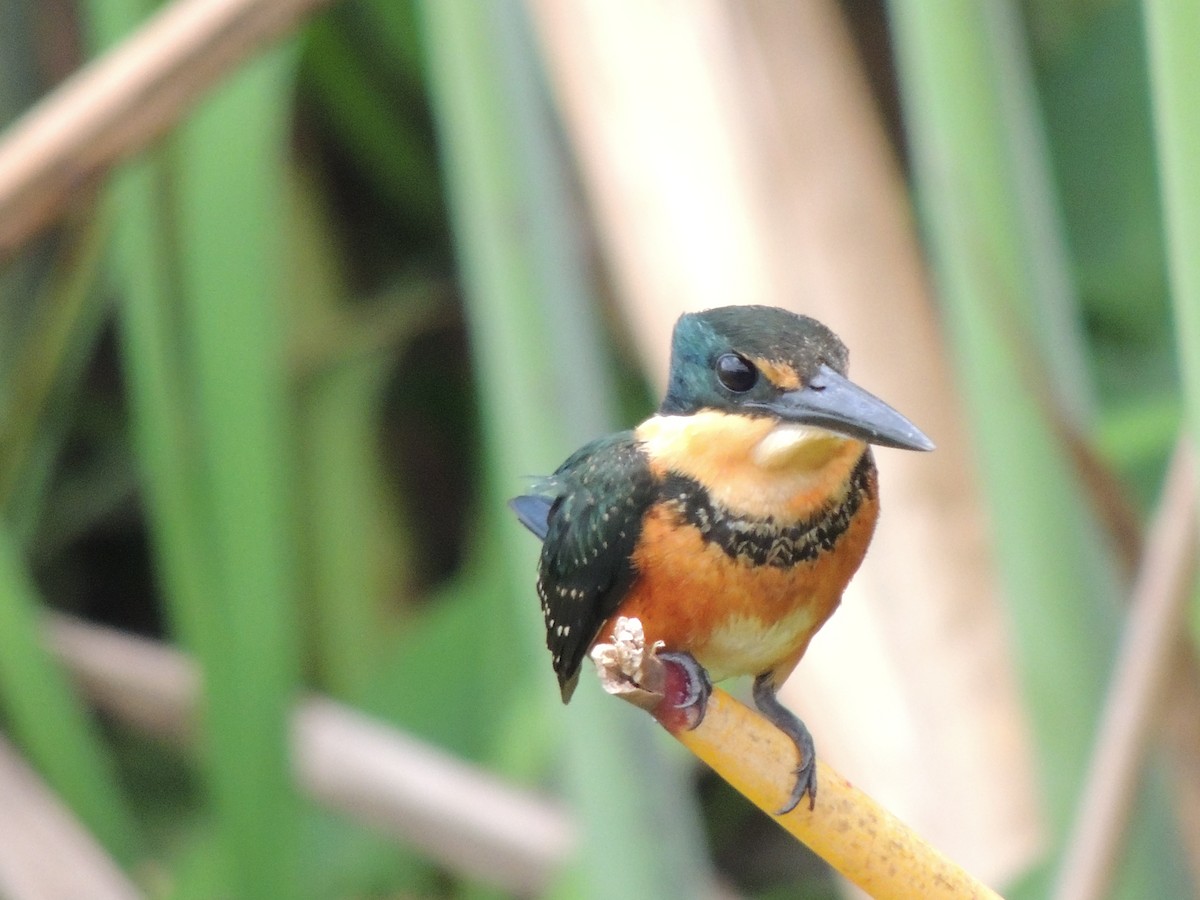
[[267, 401], [1090, 62], [975, 129]]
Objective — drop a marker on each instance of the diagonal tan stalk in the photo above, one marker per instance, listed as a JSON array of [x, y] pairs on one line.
[[1143, 667], [466, 819], [118, 104]]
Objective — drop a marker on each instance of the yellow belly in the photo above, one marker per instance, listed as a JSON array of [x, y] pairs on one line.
[[747, 645]]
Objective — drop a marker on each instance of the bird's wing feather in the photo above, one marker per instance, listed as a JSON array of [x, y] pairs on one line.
[[593, 512]]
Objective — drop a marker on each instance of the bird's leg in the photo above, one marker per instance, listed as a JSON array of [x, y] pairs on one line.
[[686, 691], [787, 722]]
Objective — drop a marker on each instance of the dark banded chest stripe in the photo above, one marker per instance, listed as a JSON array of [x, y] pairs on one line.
[[765, 542]]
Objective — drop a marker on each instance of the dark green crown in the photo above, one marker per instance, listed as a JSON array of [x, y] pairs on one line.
[[702, 341]]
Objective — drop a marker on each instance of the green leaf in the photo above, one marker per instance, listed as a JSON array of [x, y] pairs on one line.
[[47, 719], [544, 389]]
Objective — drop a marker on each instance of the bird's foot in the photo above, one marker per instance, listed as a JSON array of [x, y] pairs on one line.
[[686, 692], [673, 687], [787, 722]]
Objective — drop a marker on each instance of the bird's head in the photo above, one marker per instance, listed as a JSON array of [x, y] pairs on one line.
[[761, 362]]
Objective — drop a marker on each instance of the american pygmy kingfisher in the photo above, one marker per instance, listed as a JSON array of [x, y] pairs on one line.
[[729, 522]]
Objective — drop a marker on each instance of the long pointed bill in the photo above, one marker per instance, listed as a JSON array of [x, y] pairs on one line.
[[834, 402]]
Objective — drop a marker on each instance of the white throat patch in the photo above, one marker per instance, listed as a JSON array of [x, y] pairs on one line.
[[756, 467], [787, 444]]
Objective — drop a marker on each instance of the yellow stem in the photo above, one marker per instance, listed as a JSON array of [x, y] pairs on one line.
[[849, 830]]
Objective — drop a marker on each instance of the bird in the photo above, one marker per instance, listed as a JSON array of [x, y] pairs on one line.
[[730, 521]]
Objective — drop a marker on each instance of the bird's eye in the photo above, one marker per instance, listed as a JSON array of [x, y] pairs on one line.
[[736, 372]]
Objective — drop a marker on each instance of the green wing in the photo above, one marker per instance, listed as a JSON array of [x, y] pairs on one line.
[[596, 501]]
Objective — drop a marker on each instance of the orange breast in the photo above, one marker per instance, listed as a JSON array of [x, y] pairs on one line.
[[734, 617]]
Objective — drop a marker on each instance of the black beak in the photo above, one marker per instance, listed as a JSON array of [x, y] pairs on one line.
[[832, 401]]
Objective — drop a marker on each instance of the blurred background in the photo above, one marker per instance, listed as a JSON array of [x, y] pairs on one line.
[[278, 340]]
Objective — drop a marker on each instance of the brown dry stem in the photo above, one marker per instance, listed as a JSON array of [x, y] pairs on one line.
[[464, 818], [1150, 654], [122, 101]]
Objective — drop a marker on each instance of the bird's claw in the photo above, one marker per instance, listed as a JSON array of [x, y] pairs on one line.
[[806, 783], [687, 689], [673, 687], [787, 722]]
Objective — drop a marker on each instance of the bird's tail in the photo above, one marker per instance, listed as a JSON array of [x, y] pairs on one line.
[[534, 513]]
